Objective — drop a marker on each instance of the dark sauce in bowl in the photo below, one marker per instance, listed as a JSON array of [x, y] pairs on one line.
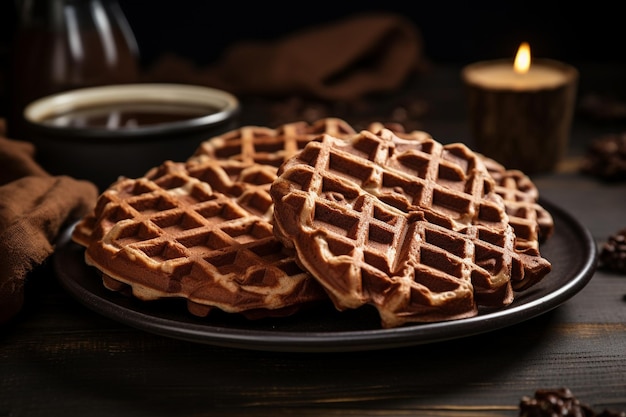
[[128, 115], [138, 126]]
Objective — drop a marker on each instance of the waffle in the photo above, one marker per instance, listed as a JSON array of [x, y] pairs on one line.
[[266, 146], [531, 222], [261, 148], [197, 231], [410, 226], [240, 166]]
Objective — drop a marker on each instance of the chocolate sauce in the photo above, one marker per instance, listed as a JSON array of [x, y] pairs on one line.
[[128, 115]]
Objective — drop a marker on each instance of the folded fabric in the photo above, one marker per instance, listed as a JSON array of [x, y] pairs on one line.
[[34, 207], [342, 60]]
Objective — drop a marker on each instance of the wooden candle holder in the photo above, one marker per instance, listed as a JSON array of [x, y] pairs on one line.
[[523, 125]]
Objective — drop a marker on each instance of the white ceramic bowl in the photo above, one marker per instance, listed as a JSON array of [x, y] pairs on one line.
[[101, 133]]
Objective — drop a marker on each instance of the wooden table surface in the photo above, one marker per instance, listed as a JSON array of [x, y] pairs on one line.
[[59, 357]]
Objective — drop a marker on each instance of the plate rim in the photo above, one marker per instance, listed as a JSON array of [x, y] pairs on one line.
[[343, 340]]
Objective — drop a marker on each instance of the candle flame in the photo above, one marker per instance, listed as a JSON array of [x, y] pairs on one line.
[[522, 59]]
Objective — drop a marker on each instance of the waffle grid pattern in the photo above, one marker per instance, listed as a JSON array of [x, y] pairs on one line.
[[362, 215], [532, 223], [171, 235], [423, 231], [266, 146]]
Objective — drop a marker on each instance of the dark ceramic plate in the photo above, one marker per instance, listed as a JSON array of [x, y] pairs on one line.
[[571, 250]]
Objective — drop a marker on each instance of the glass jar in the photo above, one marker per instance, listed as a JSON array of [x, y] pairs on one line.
[[66, 44]]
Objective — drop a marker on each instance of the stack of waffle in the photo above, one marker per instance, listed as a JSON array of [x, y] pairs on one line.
[[263, 222]]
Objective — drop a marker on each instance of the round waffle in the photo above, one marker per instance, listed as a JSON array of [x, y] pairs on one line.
[[198, 231], [232, 173], [410, 226]]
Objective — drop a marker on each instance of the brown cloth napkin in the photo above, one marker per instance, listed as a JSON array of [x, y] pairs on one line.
[[34, 207], [342, 60]]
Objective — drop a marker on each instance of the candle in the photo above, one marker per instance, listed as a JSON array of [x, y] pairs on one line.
[[520, 111], [520, 74], [502, 76]]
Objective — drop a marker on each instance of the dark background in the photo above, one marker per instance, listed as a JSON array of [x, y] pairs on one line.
[[452, 31]]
